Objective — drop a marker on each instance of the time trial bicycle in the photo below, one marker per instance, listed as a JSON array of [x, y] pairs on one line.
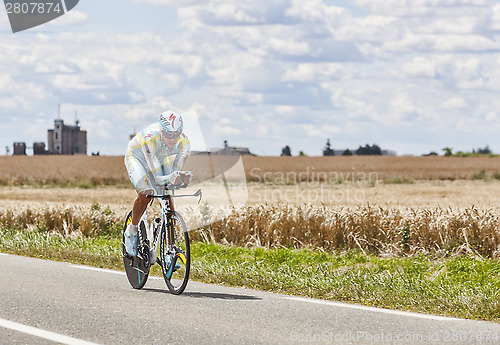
[[167, 236]]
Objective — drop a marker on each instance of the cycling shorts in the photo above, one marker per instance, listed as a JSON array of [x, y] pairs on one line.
[[138, 175]]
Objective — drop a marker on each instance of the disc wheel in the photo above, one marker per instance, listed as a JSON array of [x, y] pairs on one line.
[[136, 268], [174, 244]]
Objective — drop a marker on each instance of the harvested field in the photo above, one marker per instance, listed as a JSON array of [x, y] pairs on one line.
[[457, 194], [104, 170], [385, 168], [62, 170]]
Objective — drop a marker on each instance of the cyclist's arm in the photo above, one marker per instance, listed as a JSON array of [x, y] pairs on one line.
[[154, 164], [181, 157]]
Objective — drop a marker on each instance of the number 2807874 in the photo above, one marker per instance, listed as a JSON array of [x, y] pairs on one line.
[[33, 7]]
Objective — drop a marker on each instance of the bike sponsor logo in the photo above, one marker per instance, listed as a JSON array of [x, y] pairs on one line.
[[26, 14]]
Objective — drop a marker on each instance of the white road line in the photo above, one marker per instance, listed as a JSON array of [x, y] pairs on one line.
[[98, 269], [106, 270], [373, 309], [37, 332]]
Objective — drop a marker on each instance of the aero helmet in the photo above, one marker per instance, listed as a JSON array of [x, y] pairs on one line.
[[171, 124]]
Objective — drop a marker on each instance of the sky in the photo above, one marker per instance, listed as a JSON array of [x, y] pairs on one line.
[[412, 76]]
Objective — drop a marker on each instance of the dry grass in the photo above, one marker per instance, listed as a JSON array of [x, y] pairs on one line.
[[93, 220], [443, 215], [376, 230]]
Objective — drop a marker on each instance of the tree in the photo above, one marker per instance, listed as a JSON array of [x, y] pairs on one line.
[[448, 151], [328, 150], [485, 151], [285, 151], [369, 150], [302, 154], [347, 152], [432, 153]]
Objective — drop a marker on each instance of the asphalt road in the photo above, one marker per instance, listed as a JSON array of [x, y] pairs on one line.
[[45, 302]]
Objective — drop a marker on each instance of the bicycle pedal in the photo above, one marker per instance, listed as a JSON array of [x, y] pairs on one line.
[[124, 252]]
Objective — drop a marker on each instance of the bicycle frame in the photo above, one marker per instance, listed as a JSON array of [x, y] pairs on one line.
[[167, 235], [167, 209]]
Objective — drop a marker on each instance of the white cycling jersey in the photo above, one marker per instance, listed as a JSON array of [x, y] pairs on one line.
[[150, 162]]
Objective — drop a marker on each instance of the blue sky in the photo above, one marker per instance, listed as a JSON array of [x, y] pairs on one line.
[[412, 76]]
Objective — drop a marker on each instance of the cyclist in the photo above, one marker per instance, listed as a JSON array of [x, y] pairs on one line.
[[155, 156]]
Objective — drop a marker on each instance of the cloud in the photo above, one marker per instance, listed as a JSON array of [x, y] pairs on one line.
[[454, 103], [421, 8], [434, 67], [273, 68], [313, 72], [73, 17]]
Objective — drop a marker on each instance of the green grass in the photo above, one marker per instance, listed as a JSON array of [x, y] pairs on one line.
[[460, 286]]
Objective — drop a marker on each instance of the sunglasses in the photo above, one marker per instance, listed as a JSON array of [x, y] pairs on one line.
[[171, 135]]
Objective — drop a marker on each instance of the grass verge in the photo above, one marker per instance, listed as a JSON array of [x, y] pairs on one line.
[[461, 286]]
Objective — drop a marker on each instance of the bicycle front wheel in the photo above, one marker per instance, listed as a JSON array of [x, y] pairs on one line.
[[175, 254], [136, 268]]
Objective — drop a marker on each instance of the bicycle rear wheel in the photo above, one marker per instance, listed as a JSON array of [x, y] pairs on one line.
[[136, 268], [174, 244]]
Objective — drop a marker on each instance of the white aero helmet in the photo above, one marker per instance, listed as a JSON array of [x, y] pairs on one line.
[[171, 124]]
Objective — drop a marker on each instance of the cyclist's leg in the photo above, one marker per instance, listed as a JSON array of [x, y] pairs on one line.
[[142, 183], [140, 205]]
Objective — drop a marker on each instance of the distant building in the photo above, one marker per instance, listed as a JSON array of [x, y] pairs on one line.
[[39, 149], [67, 140], [233, 151], [19, 149]]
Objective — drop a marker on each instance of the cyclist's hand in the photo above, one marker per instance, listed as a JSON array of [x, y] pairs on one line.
[[171, 179], [187, 176]]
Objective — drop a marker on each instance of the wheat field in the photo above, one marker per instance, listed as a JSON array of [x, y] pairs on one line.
[[383, 205], [110, 169]]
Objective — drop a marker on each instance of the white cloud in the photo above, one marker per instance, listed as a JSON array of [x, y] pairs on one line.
[[432, 67], [420, 8], [73, 17], [442, 43], [226, 129], [313, 72], [322, 132], [303, 64], [454, 103], [371, 28], [288, 46], [315, 11], [495, 18], [284, 109]]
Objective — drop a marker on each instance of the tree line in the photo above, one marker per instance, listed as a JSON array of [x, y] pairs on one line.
[[366, 150], [374, 149]]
